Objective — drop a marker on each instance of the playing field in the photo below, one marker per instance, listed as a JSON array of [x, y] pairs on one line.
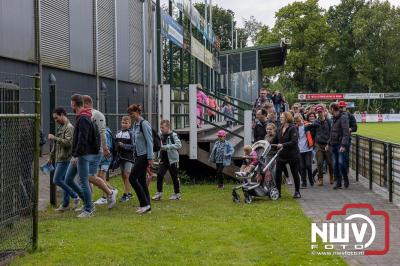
[[204, 228], [383, 131]]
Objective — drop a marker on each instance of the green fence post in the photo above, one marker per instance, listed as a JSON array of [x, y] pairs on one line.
[[35, 209]]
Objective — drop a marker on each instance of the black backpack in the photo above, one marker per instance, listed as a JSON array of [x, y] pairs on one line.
[[95, 140], [156, 138]]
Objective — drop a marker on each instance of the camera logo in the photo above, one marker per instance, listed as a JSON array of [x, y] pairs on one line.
[[355, 230]]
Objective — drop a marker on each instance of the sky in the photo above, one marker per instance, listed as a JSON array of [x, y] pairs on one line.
[[264, 10]]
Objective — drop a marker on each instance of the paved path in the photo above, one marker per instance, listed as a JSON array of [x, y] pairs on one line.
[[317, 202]]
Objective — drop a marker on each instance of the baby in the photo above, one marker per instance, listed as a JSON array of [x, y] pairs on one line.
[[249, 162]]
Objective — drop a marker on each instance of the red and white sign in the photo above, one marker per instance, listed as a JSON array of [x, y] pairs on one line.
[[323, 96], [374, 118], [347, 96]]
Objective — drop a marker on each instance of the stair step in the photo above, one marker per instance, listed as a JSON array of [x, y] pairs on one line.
[[206, 127], [238, 151]]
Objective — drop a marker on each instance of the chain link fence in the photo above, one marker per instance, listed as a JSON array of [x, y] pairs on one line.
[[19, 163]]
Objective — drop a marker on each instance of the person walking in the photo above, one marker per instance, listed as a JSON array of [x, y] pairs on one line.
[[228, 112], [203, 99], [277, 99], [261, 101], [352, 128], [221, 155], [287, 145], [60, 155], [100, 121], [260, 130], [322, 126], [170, 146], [212, 103], [305, 144], [85, 150], [125, 148], [338, 143], [143, 141]]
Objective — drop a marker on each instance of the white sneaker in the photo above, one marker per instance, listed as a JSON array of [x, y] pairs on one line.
[[101, 201], [77, 201], [80, 209], [112, 199], [145, 209], [176, 196], [157, 196], [62, 209], [85, 214]]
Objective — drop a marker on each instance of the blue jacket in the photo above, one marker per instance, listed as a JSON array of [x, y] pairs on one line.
[[172, 148], [143, 140], [228, 152]]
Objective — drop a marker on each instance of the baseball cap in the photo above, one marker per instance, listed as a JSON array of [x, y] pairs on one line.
[[342, 104]]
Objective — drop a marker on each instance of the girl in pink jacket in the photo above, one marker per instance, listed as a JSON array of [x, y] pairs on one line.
[[201, 98]]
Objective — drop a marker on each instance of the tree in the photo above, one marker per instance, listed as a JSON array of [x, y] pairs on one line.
[[252, 27]]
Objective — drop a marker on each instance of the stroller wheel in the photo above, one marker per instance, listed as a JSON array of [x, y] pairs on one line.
[[248, 198], [274, 193], [235, 197]]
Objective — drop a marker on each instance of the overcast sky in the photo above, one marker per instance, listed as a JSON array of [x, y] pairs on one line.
[[264, 10]]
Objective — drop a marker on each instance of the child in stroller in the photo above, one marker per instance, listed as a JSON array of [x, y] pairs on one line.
[[259, 181]]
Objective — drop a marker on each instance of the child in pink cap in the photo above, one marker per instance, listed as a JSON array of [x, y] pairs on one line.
[[221, 155]]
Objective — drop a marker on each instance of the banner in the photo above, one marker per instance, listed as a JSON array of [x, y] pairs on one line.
[[171, 29], [200, 52], [377, 118], [347, 96]]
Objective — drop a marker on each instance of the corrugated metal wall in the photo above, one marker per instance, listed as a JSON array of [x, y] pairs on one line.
[[17, 26], [55, 33], [135, 41], [106, 38]]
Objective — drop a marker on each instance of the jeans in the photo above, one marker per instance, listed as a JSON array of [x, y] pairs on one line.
[[173, 170], [137, 179], [306, 167], [278, 108], [323, 156], [339, 164], [59, 180], [82, 168]]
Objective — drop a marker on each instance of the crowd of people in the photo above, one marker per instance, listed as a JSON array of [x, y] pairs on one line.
[[89, 149], [302, 135]]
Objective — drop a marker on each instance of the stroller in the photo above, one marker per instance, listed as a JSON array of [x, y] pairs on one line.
[[260, 182]]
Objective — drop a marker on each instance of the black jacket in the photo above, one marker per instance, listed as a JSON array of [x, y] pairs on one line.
[[289, 140], [322, 131], [352, 121], [86, 137], [260, 130], [340, 133]]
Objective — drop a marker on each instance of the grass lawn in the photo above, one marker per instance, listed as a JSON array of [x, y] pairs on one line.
[[204, 228], [383, 131]]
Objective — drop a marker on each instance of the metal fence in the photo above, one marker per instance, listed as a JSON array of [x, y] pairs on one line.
[[19, 163], [378, 161]]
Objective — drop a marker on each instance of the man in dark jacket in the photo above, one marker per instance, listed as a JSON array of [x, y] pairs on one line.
[[85, 148], [322, 127], [260, 129], [261, 101], [352, 128], [339, 143]]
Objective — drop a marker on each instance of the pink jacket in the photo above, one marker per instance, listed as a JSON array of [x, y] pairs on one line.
[[201, 98]]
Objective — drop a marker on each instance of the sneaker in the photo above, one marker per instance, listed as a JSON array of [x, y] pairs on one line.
[[112, 199], [157, 196], [77, 201], [176, 196], [80, 209], [101, 201], [62, 209], [85, 214], [337, 186], [297, 195], [125, 198], [145, 209]]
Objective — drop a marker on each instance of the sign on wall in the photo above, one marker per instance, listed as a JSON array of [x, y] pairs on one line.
[[347, 96], [171, 29]]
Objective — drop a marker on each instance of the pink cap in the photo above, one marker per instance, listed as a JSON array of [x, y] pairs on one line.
[[221, 133]]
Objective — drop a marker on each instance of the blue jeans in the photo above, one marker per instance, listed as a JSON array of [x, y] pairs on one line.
[[59, 180], [339, 164], [82, 168], [278, 108]]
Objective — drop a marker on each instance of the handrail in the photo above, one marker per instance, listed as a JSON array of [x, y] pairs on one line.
[[218, 112], [250, 105], [220, 127], [221, 99]]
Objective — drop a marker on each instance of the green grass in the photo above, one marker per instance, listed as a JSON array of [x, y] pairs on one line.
[[204, 228], [383, 131]]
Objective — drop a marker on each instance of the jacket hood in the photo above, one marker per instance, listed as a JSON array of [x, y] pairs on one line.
[[86, 112]]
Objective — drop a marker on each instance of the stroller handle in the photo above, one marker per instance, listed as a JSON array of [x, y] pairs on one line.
[[271, 161]]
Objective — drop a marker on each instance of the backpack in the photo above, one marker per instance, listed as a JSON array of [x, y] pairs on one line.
[[156, 138], [95, 142]]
